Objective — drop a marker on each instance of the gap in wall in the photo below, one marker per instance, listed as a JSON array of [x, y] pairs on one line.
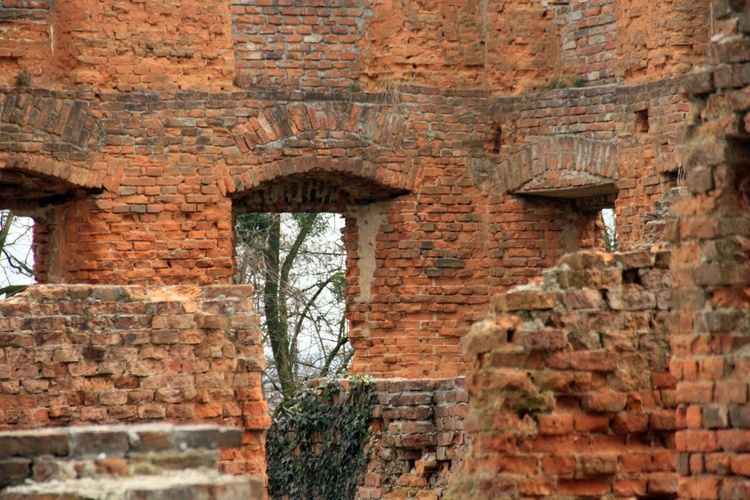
[[297, 265]]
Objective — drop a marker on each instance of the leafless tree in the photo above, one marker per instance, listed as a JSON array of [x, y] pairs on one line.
[[16, 255], [296, 264]]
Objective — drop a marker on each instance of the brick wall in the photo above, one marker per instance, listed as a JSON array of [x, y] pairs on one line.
[[506, 47], [81, 354], [421, 440], [587, 35], [570, 393], [660, 40], [603, 139], [156, 461], [418, 439], [126, 46], [25, 39], [168, 172], [709, 227], [652, 121], [298, 44]]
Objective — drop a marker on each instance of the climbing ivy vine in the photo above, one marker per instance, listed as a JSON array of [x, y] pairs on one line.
[[317, 446]]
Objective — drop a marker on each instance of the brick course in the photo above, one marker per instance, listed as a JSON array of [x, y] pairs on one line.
[[148, 460]]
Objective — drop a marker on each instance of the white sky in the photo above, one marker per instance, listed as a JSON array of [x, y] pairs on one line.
[[18, 245]]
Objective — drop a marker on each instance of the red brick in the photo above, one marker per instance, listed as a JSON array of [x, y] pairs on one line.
[[701, 487], [555, 424], [583, 487]]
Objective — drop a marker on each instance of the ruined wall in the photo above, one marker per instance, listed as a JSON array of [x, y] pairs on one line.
[[151, 194], [500, 45], [131, 46], [117, 44], [570, 393], [419, 438], [601, 146], [81, 354], [709, 226], [652, 121], [153, 180], [458, 178], [522, 46], [156, 461]]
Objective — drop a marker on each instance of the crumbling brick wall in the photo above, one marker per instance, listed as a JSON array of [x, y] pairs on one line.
[[82, 354], [419, 438], [570, 392], [710, 227], [468, 184], [663, 40]]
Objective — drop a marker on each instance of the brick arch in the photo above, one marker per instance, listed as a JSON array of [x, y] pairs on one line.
[[75, 176], [28, 181], [560, 166], [310, 122], [310, 183]]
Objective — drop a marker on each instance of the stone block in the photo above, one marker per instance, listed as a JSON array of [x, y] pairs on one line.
[[545, 340], [33, 443], [206, 437], [597, 465], [14, 471], [630, 298], [488, 334], [583, 299], [635, 260], [524, 300], [87, 442]]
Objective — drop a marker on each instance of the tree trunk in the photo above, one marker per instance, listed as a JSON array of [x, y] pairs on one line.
[[277, 327]]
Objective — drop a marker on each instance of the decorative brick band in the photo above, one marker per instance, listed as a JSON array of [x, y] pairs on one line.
[[313, 121], [58, 124]]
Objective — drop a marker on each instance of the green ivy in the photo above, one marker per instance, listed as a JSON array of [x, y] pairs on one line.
[[317, 446]]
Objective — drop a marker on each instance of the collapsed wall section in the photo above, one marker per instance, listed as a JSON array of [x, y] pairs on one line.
[[570, 392], [81, 354]]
